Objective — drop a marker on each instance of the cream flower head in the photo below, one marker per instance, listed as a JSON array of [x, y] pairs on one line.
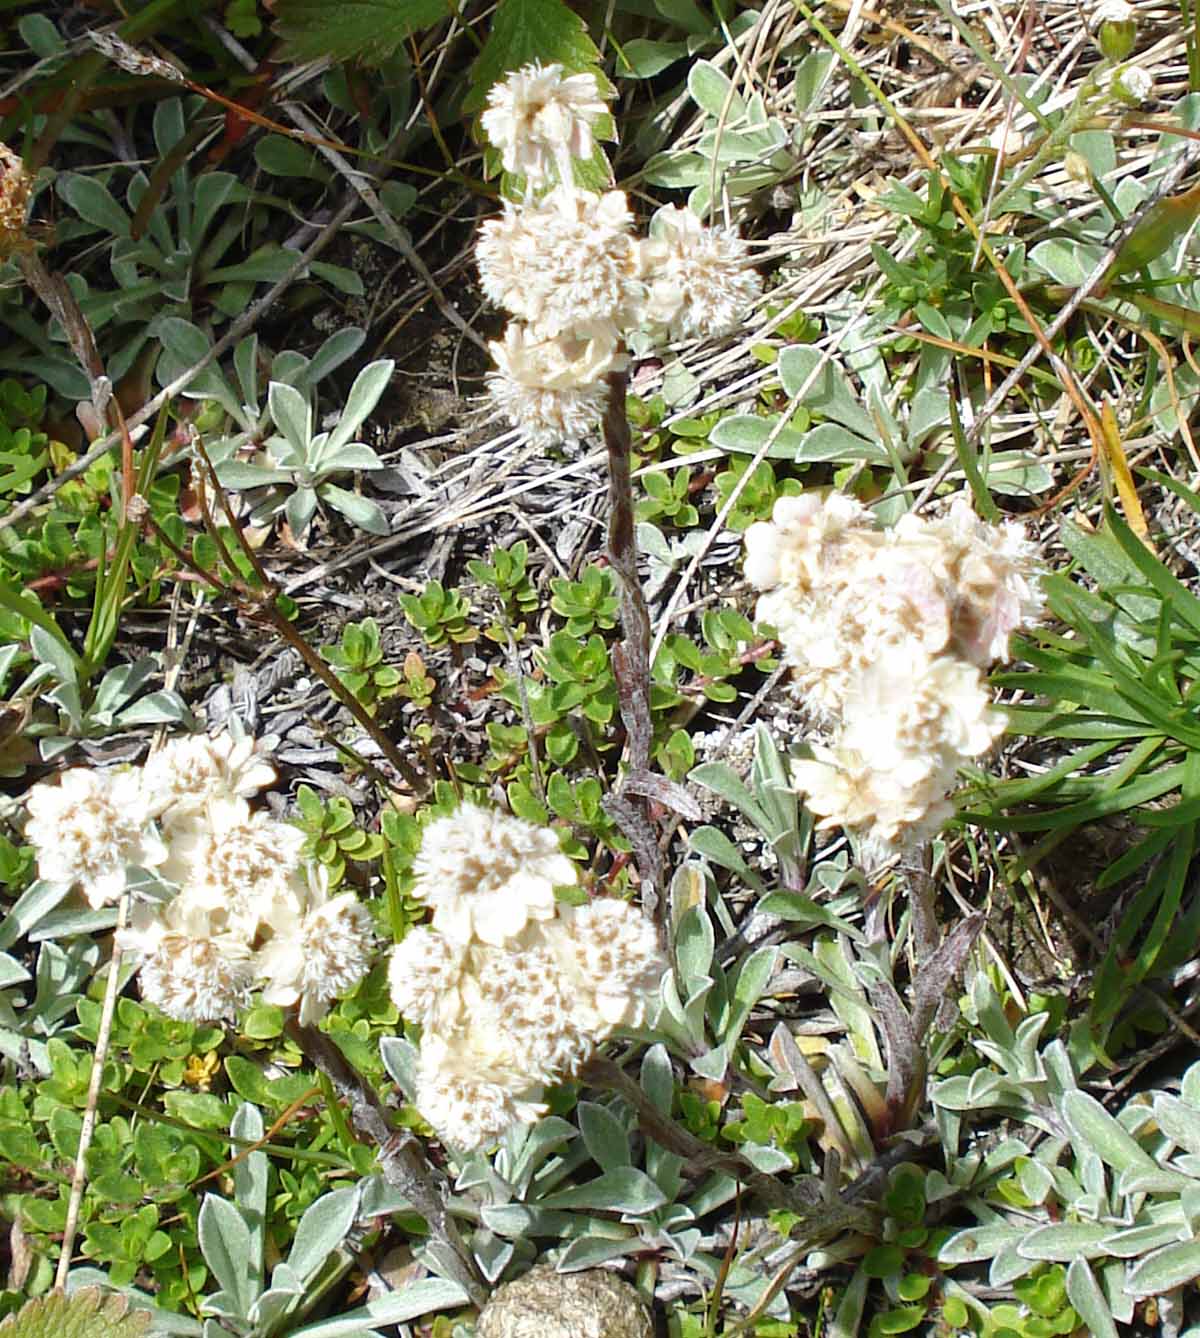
[[196, 964], [886, 810], [887, 632], [423, 974], [227, 854], [539, 118], [512, 990], [565, 263], [805, 537], [189, 771], [609, 951], [487, 875], [319, 948], [88, 828], [698, 279], [521, 1010], [989, 572], [912, 713], [552, 389], [467, 1098]]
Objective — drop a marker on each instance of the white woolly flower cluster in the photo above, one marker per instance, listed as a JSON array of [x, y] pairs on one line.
[[540, 119], [888, 633], [512, 989], [566, 265], [248, 914]]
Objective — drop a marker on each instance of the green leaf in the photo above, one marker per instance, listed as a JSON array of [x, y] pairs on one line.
[[88, 1314], [366, 30], [1064, 1241], [322, 1229], [357, 509], [51, 651], [796, 906], [658, 1078], [1156, 232], [528, 30], [752, 979], [1093, 1129], [1165, 1269], [338, 276], [713, 92], [829, 392], [405, 1303], [1178, 1120], [979, 1243], [283, 157], [604, 1136], [811, 76], [713, 844], [643, 58], [901, 1320], [625, 1190], [694, 944], [225, 1240], [364, 395], [267, 265], [722, 780], [884, 1261], [200, 1110], [1084, 1293], [1066, 262], [93, 202]]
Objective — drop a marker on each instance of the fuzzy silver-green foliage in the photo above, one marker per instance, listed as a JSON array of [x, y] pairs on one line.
[[1114, 1197]]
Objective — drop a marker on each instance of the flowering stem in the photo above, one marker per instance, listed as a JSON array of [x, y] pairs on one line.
[[401, 1161], [913, 877], [631, 658], [821, 1215]]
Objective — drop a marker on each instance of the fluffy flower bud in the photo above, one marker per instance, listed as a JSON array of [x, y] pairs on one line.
[[487, 875], [1132, 85], [887, 633], [469, 1101], [319, 948], [553, 389], [1116, 24], [226, 854], [189, 771], [88, 827], [698, 279], [196, 964], [424, 969], [539, 118], [610, 953], [564, 263]]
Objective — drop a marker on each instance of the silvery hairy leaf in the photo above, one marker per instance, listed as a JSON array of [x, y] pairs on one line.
[[225, 1243], [321, 1230]]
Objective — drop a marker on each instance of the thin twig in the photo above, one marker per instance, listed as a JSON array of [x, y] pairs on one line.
[[401, 1161], [266, 606], [396, 234], [87, 1127]]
